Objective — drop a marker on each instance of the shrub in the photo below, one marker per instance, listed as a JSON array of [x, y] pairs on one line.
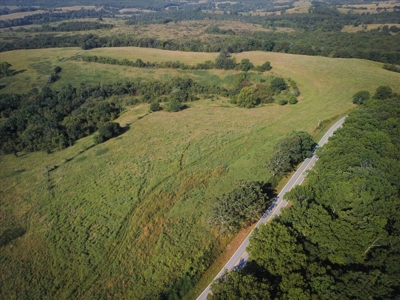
[[282, 102], [246, 98], [360, 97], [278, 84], [264, 67], [155, 106], [293, 100], [173, 105], [383, 92], [107, 131]]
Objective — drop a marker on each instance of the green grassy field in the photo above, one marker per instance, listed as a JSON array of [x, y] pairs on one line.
[[128, 218]]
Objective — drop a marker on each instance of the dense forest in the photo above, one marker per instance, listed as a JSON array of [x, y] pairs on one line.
[[340, 239]]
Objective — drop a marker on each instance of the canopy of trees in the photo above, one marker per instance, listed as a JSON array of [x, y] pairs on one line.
[[240, 207], [341, 237], [290, 151], [107, 131], [49, 120]]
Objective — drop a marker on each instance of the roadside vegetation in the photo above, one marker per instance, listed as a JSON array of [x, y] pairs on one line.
[[352, 198]]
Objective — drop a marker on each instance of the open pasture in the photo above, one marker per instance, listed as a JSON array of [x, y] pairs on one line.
[[128, 218]]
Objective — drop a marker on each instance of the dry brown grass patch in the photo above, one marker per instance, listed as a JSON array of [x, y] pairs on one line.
[[20, 15]]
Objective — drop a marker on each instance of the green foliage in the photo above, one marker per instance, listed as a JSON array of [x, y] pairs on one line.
[[360, 97], [5, 69], [56, 119], [394, 29], [293, 100], [141, 64], [173, 105], [223, 61], [246, 98], [316, 33], [283, 102], [73, 26], [264, 67], [274, 247], [54, 76], [245, 65], [278, 84], [264, 94], [290, 151], [239, 208], [383, 92], [339, 239], [392, 67], [293, 85], [107, 131], [155, 106], [239, 285], [217, 30], [45, 18], [52, 120]]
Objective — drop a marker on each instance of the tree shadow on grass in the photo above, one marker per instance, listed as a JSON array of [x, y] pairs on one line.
[[19, 72], [9, 235]]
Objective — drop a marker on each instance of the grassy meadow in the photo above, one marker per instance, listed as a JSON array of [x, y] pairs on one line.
[[128, 218]]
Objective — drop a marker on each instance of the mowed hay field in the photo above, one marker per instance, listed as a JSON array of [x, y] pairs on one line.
[[128, 218]]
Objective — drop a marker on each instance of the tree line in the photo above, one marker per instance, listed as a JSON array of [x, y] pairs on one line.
[[223, 61], [392, 67], [376, 46], [7, 11], [340, 239], [50, 17], [68, 26]]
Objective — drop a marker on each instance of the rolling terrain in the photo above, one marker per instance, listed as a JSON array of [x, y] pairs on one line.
[[129, 217]]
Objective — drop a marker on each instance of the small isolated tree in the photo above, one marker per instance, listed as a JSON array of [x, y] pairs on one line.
[[383, 92], [243, 205], [293, 100], [394, 29], [245, 65], [155, 106], [282, 102], [57, 70], [223, 61], [264, 67], [107, 131], [360, 97], [5, 69], [290, 151], [173, 105]]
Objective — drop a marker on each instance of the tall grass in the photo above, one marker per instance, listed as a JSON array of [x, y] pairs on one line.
[[128, 218]]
